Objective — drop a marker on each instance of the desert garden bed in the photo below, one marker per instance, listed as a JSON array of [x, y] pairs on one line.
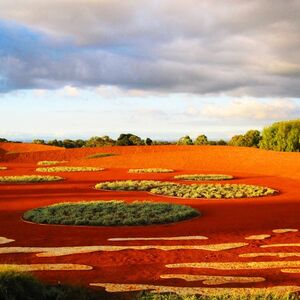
[[110, 213], [204, 177], [150, 170], [188, 191], [28, 178], [69, 169]]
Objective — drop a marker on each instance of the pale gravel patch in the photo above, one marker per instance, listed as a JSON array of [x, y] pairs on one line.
[[44, 267], [213, 280], [173, 238], [284, 230], [238, 265], [258, 237], [4, 240], [61, 251], [272, 254], [281, 245], [278, 290]]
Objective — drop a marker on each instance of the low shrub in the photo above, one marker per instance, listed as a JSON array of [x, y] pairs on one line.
[[99, 155], [69, 169], [110, 213], [204, 177], [150, 170], [3, 168], [188, 191], [28, 178], [51, 162]]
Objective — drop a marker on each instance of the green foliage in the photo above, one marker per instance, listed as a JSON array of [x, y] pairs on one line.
[[38, 141], [110, 213], [201, 140], [188, 191], [3, 140], [148, 141], [28, 178], [69, 169], [23, 286], [203, 177], [282, 136], [185, 140], [99, 155], [153, 170], [97, 141], [250, 139], [51, 162], [129, 140]]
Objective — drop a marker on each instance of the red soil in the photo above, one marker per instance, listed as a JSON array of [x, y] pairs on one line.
[[223, 221]]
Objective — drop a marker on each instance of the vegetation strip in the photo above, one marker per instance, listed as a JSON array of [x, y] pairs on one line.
[[4, 240], [99, 155], [111, 213], [69, 169], [44, 267], [61, 251], [204, 177], [28, 178], [277, 290], [213, 280], [173, 238], [284, 230], [258, 237], [153, 170], [238, 265], [51, 162], [272, 254], [281, 245], [188, 191]]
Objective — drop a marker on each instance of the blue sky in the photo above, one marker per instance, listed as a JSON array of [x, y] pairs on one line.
[[161, 68]]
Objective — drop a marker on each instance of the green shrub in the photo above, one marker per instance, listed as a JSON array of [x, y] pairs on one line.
[[99, 155], [150, 170], [250, 139], [69, 169], [110, 213], [185, 140], [204, 177], [201, 140], [282, 136], [51, 162], [28, 178]]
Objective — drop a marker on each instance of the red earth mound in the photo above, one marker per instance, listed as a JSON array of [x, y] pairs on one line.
[[223, 221]]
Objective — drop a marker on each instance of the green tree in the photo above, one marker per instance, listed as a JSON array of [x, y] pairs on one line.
[[201, 140], [185, 140], [38, 141], [252, 138], [148, 141]]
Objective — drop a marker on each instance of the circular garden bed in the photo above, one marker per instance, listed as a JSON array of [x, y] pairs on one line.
[[28, 179], [204, 177], [110, 213]]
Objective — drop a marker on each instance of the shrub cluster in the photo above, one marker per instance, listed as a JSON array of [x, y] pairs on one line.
[[250, 139], [110, 213], [200, 140], [69, 169], [28, 178], [150, 170], [204, 177], [188, 191], [213, 191], [51, 162]]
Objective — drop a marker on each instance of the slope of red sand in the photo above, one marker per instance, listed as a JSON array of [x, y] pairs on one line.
[[223, 221]]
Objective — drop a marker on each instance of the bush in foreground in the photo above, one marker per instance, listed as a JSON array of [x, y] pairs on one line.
[[51, 162], [150, 170], [28, 178], [69, 169], [188, 191], [204, 177], [110, 213]]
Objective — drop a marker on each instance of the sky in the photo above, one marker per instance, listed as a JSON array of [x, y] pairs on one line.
[[159, 68]]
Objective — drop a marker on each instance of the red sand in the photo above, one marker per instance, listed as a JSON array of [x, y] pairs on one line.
[[223, 221]]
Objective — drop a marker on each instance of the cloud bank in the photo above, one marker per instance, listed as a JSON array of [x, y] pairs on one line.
[[236, 48]]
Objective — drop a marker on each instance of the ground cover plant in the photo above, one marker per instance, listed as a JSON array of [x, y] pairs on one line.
[[204, 177], [50, 162], [28, 178], [69, 169], [99, 155], [150, 170], [3, 168], [110, 213], [188, 191]]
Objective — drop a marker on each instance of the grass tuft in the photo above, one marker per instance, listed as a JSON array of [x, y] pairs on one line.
[[28, 178], [204, 177], [69, 169], [99, 155], [51, 162], [110, 213], [151, 170]]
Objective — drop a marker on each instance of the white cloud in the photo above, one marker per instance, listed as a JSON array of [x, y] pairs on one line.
[[253, 109], [70, 91]]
